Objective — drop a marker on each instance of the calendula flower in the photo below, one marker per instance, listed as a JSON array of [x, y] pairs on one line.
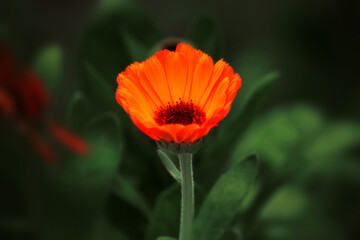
[[177, 96]]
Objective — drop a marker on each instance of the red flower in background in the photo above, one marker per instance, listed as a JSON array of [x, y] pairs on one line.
[[24, 101]]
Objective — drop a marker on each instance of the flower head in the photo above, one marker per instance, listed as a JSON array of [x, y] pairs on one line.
[[177, 96]]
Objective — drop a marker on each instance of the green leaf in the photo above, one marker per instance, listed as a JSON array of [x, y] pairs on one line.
[[276, 134], [77, 189], [287, 203], [228, 136], [98, 81], [126, 190], [327, 148], [247, 108], [78, 110], [166, 215], [257, 90], [224, 200], [136, 49], [106, 123], [204, 33], [166, 238], [229, 235], [170, 166], [104, 230], [48, 65], [333, 140], [253, 63]]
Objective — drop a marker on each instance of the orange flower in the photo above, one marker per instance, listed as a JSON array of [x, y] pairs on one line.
[[177, 96]]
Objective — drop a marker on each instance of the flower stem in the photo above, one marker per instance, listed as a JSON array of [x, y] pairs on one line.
[[187, 192]]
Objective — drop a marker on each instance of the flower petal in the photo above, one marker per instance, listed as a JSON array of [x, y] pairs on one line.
[[201, 78], [218, 99], [135, 96], [155, 74], [176, 73], [214, 81], [192, 57], [136, 73]]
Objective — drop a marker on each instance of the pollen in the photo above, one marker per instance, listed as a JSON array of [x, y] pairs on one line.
[[180, 113]]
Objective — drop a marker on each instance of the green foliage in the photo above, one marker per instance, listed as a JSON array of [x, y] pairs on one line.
[[287, 203], [98, 81], [296, 145], [126, 190], [224, 199], [165, 216], [205, 35], [77, 189], [227, 137], [165, 238], [247, 106], [104, 230], [334, 140], [165, 220], [298, 132], [112, 41], [275, 136], [79, 110], [48, 65], [258, 90]]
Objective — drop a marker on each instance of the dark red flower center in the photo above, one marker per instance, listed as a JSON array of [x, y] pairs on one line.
[[180, 112]]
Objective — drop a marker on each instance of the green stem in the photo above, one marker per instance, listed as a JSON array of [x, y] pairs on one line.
[[187, 192]]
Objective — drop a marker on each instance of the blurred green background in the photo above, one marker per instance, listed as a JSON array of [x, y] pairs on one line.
[[298, 109]]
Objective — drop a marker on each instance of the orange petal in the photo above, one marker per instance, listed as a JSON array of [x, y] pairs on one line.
[[136, 73], [176, 73], [130, 90], [155, 74], [144, 81], [217, 99], [214, 81], [161, 56], [234, 87], [192, 57], [202, 73], [188, 133], [148, 129]]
